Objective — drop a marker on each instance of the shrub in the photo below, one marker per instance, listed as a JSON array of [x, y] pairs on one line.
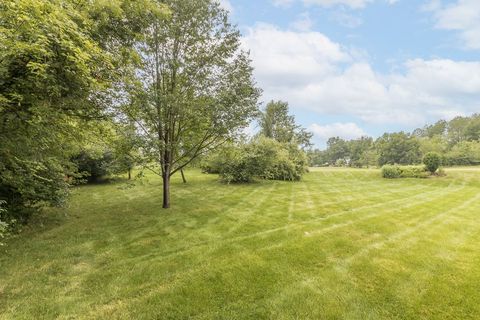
[[238, 167], [391, 171], [263, 158], [413, 172], [28, 185], [278, 161], [396, 171], [441, 172], [214, 162], [432, 161]]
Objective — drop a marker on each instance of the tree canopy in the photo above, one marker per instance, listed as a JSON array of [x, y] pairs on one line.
[[276, 123]]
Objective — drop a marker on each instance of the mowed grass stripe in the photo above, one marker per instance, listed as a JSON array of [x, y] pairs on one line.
[[403, 249], [221, 241]]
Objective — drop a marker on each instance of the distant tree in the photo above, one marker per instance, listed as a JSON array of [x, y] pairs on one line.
[[432, 161], [436, 144], [472, 129], [456, 130], [317, 158], [464, 153], [358, 149], [195, 88], [440, 128], [398, 148], [276, 123], [437, 129], [337, 149]]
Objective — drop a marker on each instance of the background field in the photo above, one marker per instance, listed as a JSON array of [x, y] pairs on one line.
[[340, 244]]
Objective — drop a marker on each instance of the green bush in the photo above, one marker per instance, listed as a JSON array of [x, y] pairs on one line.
[[28, 185], [279, 161], [391, 171], [263, 158], [413, 172], [214, 162], [396, 171], [432, 161], [238, 169]]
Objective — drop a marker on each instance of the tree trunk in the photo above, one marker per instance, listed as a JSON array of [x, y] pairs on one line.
[[183, 176], [166, 190], [129, 174]]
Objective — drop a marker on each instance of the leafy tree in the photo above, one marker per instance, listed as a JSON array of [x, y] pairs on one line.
[[436, 144], [437, 129], [464, 153], [276, 123], [456, 130], [358, 149], [317, 157], [472, 129], [432, 161], [195, 89], [337, 149], [53, 77], [398, 148]]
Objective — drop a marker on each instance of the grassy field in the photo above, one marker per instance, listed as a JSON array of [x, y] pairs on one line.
[[341, 244]]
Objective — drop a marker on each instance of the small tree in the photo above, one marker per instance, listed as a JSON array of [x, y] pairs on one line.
[[195, 88], [277, 124], [432, 161]]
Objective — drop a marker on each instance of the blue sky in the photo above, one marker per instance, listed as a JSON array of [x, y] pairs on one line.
[[356, 67]]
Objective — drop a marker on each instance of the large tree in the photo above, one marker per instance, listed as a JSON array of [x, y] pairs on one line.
[[53, 76], [398, 148], [195, 88]]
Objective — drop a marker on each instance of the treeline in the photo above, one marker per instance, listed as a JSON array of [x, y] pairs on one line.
[[456, 141]]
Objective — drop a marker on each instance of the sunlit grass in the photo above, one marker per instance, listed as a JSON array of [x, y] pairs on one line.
[[342, 244]]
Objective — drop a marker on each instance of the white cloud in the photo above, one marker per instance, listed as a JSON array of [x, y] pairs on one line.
[[346, 19], [314, 73], [290, 58], [353, 4], [303, 23], [283, 3], [347, 131], [462, 16]]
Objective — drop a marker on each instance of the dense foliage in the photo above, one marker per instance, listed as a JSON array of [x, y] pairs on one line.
[[53, 78], [262, 158]]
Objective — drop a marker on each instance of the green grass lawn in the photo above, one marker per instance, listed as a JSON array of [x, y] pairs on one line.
[[341, 244]]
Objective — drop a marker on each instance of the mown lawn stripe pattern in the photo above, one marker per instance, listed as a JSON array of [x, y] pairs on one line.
[[341, 244]]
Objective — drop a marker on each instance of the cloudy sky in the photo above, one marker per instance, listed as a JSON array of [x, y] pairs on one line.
[[362, 67]]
